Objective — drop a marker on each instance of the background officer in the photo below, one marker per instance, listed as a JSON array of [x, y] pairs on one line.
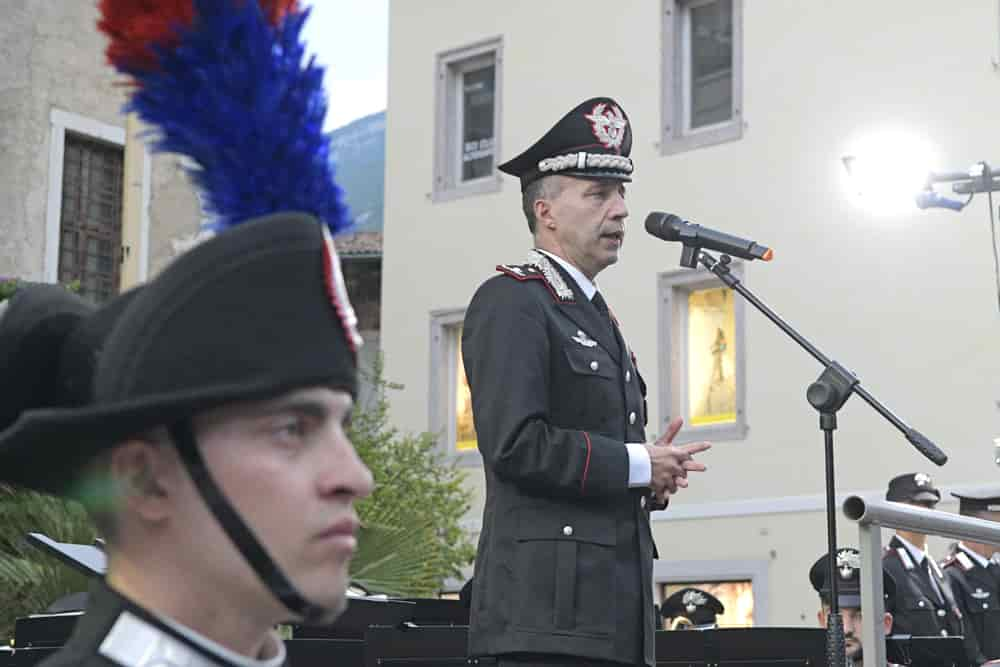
[[925, 605]]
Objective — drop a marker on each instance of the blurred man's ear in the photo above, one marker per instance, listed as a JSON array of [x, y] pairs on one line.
[[821, 617], [887, 624]]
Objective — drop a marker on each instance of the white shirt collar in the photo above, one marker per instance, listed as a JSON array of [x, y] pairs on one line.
[[983, 562], [587, 286], [917, 555], [132, 641]]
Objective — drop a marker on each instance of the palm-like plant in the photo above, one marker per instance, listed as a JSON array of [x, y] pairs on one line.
[[29, 580]]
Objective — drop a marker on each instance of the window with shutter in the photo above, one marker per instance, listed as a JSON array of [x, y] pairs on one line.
[[90, 242]]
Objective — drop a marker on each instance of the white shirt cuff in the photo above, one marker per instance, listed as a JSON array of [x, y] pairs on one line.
[[640, 470]]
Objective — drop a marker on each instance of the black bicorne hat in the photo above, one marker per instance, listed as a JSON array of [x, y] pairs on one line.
[[247, 315], [698, 606], [593, 140]]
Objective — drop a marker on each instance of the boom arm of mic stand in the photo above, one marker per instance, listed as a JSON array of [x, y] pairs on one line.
[[721, 269]]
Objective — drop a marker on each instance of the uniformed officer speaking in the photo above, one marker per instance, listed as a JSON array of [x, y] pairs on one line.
[[973, 571], [564, 566], [925, 605]]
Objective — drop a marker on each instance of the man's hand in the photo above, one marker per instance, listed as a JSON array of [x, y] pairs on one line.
[[671, 463]]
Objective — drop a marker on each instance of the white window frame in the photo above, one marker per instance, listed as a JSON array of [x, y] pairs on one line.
[[675, 103], [62, 122], [756, 571], [673, 287], [444, 341], [450, 67]]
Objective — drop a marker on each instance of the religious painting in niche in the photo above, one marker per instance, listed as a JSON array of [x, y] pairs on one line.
[[711, 357], [735, 596], [465, 430]]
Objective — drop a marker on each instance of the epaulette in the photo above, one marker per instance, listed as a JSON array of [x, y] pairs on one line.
[[903, 556], [962, 559], [540, 267]]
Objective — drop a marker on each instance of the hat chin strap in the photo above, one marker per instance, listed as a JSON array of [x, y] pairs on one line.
[[239, 533]]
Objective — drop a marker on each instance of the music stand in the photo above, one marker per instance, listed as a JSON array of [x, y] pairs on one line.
[[89, 560], [925, 651]]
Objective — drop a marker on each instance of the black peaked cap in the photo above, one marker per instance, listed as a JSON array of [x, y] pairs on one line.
[[593, 140]]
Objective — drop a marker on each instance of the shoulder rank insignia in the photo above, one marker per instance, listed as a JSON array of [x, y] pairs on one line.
[[905, 557], [980, 594], [964, 561], [540, 267]]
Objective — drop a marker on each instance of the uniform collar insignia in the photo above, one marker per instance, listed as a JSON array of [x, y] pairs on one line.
[[551, 274], [583, 339]]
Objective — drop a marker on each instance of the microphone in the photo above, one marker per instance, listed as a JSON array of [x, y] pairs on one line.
[[669, 227]]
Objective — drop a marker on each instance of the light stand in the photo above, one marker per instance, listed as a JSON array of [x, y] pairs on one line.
[[827, 394]]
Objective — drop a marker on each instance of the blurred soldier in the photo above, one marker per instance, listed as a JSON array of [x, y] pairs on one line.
[[925, 605], [849, 597], [691, 609], [973, 571]]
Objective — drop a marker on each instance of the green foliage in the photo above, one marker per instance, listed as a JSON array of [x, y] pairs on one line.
[[29, 580], [411, 538], [10, 285]]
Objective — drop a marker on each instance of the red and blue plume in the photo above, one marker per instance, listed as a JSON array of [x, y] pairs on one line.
[[227, 83]]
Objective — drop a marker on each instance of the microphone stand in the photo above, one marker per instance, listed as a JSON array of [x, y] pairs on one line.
[[827, 395]]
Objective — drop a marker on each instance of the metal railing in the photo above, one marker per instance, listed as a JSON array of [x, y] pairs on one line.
[[873, 515]]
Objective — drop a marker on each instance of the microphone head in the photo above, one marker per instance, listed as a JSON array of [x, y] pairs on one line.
[[663, 225]]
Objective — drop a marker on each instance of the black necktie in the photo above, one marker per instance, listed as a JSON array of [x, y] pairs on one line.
[[602, 307], [932, 578]]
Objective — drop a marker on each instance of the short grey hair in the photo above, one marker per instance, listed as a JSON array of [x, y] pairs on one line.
[[547, 187]]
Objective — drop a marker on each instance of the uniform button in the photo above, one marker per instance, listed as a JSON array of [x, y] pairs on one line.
[[594, 365], [631, 418], [567, 530], [941, 612], [628, 376], [944, 633], [642, 504], [986, 605], [920, 604]]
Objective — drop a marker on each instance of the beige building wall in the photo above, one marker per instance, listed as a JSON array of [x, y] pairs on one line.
[[907, 302], [52, 60]]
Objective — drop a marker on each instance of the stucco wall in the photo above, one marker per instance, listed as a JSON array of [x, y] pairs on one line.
[[907, 302], [52, 57]]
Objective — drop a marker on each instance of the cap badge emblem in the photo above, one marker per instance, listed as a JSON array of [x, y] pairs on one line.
[[847, 563], [921, 479], [692, 600], [608, 124]]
